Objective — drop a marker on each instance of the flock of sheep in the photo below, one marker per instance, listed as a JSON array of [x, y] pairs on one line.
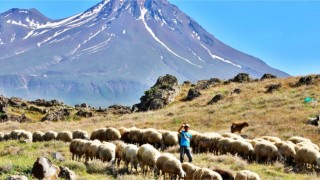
[[143, 147]]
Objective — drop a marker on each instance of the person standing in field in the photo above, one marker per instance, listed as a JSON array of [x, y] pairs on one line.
[[185, 138]]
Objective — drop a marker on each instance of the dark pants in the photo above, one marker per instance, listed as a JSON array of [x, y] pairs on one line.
[[185, 150]]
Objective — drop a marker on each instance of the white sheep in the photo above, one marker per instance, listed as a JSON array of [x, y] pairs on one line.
[[167, 163], [287, 150], [205, 173], [107, 152], [99, 134], [242, 148], [266, 151], [73, 146], [153, 137], [232, 136], [298, 139], [50, 135], [1, 137], [272, 139], [119, 148], [147, 156], [189, 169], [15, 134], [112, 134], [129, 155], [38, 136], [170, 138], [92, 149], [207, 141], [307, 155], [65, 136], [135, 136], [124, 132], [247, 175], [80, 134], [224, 145]]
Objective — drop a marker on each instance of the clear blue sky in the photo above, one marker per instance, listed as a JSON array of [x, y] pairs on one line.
[[285, 34]]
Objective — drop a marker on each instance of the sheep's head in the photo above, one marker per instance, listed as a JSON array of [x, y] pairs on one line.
[[245, 124]]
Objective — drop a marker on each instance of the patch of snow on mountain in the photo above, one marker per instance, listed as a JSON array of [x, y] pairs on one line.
[[13, 37], [220, 58], [1, 41], [17, 23], [142, 17], [28, 35], [124, 31]]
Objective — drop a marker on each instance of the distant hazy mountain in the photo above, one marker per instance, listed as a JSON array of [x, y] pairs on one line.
[[111, 53]]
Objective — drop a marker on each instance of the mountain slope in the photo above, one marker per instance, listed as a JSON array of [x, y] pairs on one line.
[[111, 53]]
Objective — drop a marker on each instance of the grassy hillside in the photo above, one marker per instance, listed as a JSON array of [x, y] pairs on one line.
[[282, 113]]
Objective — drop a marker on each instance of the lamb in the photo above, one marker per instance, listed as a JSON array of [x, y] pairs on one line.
[[147, 156], [50, 135], [242, 148], [99, 134], [135, 136], [237, 127], [225, 174], [107, 152], [167, 163], [65, 136], [247, 175], [153, 137], [129, 155], [80, 134], [205, 173], [170, 138], [314, 122], [119, 149], [112, 134], [266, 151], [307, 155], [38, 136]]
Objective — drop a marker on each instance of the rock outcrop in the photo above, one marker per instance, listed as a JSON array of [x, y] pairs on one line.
[[273, 87], [240, 78], [66, 173], [119, 109], [3, 103], [307, 80], [216, 99], [192, 94], [268, 76], [56, 115], [205, 84], [84, 113], [160, 95], [42, 102], [44, 169]]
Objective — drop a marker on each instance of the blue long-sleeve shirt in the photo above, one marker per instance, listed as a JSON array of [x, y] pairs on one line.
[[185, 138]]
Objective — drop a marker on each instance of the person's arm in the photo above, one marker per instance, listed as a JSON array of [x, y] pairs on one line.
[[179, 130]]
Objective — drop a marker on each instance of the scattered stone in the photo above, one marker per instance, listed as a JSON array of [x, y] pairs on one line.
[[56, 115], [216, 99], [44, 169], [83, 113], [58, 156], [307, 80], [273, 87], [17, 177], [237, 91], [67, 174], [268, 76], [241, 77], [160, 95], [205, 84], [119, 109], [192, 94]]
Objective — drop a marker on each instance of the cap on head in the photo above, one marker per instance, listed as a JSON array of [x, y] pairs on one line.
[[186, 125]]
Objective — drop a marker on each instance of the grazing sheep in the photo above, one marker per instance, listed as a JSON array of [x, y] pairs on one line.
[[242, 148], [271, 139], [194, 134], [38, 136], [237, 127], [314, 122], [232, 136], [80, 134], [107, 152], [112, 134], [73, 147], [124, 132], [7, 136], [119, 149], [65, 136], [307, 155], [21, 134], [224, 145], [16, 134], [147, 156], [287, 150], [167, 163], [99, 134], [50, 135], [207, 142], [1, 137], [266, 151], [80, 151], [298, 139], [135, 136], [247, 175], [92, 150], [129, 155], [298, 145], [170, 138], [205, 173], [189, 169], [153, 137], [226, 175]]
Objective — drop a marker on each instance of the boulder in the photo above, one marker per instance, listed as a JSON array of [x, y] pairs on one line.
[[241, 77], [67, 174], [160, 95], [17, 177], [3, 103], [119, 109], [56, 115], [237, 91], [192, 94], [16, 102], [36, 109], [84, 105], [44, 169], [58, 156], [273, 87], [11, 117], [268, 76], [83, 113], [307, 80], [205, 84], [216, 99]]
